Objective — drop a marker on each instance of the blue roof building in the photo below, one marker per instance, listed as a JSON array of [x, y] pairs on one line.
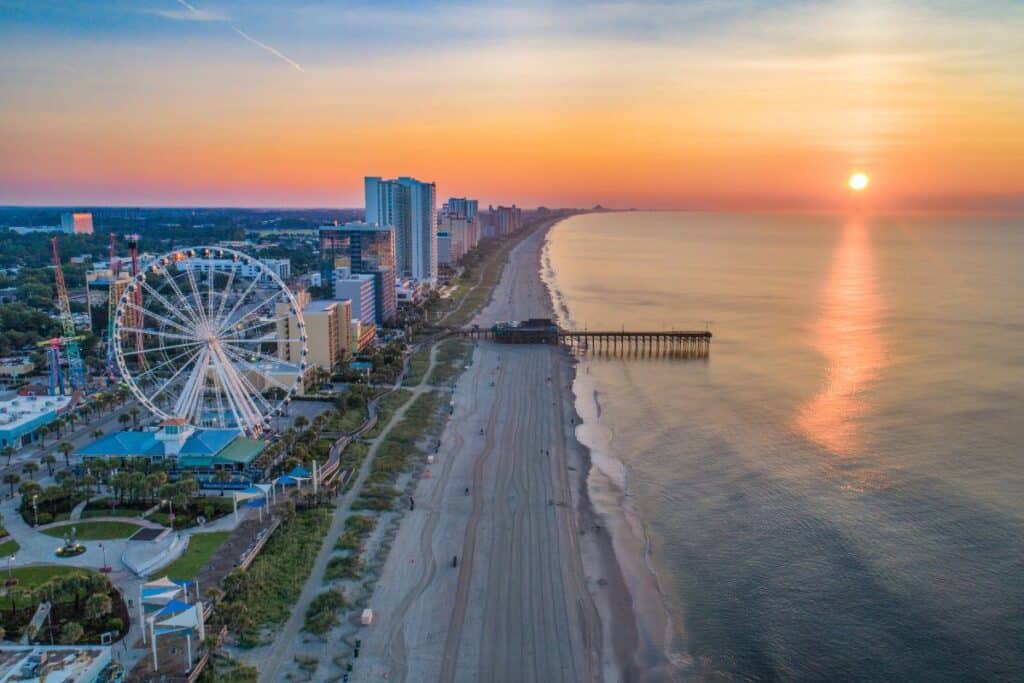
[[201, 450]]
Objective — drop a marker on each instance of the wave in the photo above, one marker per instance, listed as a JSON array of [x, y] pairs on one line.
[[612, 497]]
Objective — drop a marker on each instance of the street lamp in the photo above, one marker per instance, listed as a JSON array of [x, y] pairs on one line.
[[106, 567], [35, 508], [10, 571]]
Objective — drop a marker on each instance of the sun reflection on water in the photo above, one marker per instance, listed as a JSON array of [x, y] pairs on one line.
[[847, 335]]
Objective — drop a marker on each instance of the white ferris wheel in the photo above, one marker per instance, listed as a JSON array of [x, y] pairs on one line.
[[210, 336]]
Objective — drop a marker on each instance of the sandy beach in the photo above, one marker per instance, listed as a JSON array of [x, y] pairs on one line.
[[535, 592]]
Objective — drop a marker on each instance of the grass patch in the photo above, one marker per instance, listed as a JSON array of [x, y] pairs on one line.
[[95, 531], [418, 365], [386, 407], [394, 454], [347, 567], [201, 548], [264, 596], [451, 358], [357, 528], [352, 420], [322, 614], [351, 459], [8, 548]]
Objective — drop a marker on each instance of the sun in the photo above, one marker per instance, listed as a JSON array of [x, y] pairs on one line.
[[858, 181]]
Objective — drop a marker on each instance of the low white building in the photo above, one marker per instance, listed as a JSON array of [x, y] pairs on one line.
[[21, 417], [282, 267]]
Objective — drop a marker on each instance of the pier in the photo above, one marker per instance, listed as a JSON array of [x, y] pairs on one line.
[[665, 343]]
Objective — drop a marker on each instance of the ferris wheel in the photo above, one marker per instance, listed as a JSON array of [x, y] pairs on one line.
[[210, 336]]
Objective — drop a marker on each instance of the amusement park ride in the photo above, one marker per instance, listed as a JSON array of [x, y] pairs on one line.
[[219, 340]]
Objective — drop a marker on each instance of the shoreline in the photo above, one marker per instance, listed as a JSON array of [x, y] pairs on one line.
[[505, 569], [644, 652]]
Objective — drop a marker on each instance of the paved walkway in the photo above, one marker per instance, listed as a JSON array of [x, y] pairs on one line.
[[287, 643]]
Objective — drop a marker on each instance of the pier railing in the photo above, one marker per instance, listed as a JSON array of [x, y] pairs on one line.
[[674, 343]]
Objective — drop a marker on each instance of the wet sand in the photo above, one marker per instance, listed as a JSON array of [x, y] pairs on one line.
[[537, 593]]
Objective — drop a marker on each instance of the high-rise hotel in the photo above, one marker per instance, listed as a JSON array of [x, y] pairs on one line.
[[408, 206]]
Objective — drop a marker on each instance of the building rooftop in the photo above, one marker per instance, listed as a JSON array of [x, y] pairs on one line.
[[319, 306], [53, 663], [17, 412], [202, 446]]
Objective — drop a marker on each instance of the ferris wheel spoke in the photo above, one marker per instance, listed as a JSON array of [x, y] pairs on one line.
[[256, 393], [167, 304], [170, 380], [165, 363], [165, 348], [210, 274], [236, 393], [187, 403], [224, 297], [167, 321], [257, 307], [222, 322], [157, 333], [195, 294], [240, 357], [262, 323], [179, 295], [253, 352]]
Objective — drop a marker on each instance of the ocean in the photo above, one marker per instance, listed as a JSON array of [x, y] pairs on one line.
[[835, 493]]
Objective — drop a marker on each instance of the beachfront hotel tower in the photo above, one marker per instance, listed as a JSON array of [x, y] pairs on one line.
[[408, 206], [362, 248]]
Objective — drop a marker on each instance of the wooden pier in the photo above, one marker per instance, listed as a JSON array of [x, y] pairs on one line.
[[672, 344]]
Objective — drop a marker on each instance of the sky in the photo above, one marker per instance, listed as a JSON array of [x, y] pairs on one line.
[[709, 104]]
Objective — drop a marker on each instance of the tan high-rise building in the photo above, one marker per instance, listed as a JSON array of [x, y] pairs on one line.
[[328, 331]]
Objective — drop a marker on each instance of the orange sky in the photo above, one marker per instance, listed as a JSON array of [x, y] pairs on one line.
[[770, 108]]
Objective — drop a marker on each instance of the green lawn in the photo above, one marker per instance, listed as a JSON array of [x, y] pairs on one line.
[[94, 531], [8, 548], [201, 548], [32, 577], [418, 365]]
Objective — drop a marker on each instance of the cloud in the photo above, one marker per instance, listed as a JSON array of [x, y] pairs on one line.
[[193, 13]]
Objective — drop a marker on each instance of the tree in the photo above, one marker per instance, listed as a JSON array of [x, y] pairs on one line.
[[135, 415], [98, 606], [9, 453], [49, 460], [71, 633], [97, 433], [30, 468], [124, 419], [11, 479], [301, 422], [65, 447]]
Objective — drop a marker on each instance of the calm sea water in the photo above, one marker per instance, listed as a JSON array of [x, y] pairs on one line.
[[837, 492]]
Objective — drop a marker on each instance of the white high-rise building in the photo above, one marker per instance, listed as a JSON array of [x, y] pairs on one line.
[[407, 206]]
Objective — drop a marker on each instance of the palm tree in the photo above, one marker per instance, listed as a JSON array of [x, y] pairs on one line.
[[49, 460], [124, 419], [135, 415], [9, 453], [30, 468], [97, 433], [301, 422], [65, 447], [11, 479]]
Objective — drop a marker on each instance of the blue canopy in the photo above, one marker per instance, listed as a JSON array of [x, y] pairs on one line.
[[173, 607], [299, 472]]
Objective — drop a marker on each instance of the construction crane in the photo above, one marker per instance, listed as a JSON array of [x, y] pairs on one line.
[[115, 270], [133, 249], [76, 368]]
